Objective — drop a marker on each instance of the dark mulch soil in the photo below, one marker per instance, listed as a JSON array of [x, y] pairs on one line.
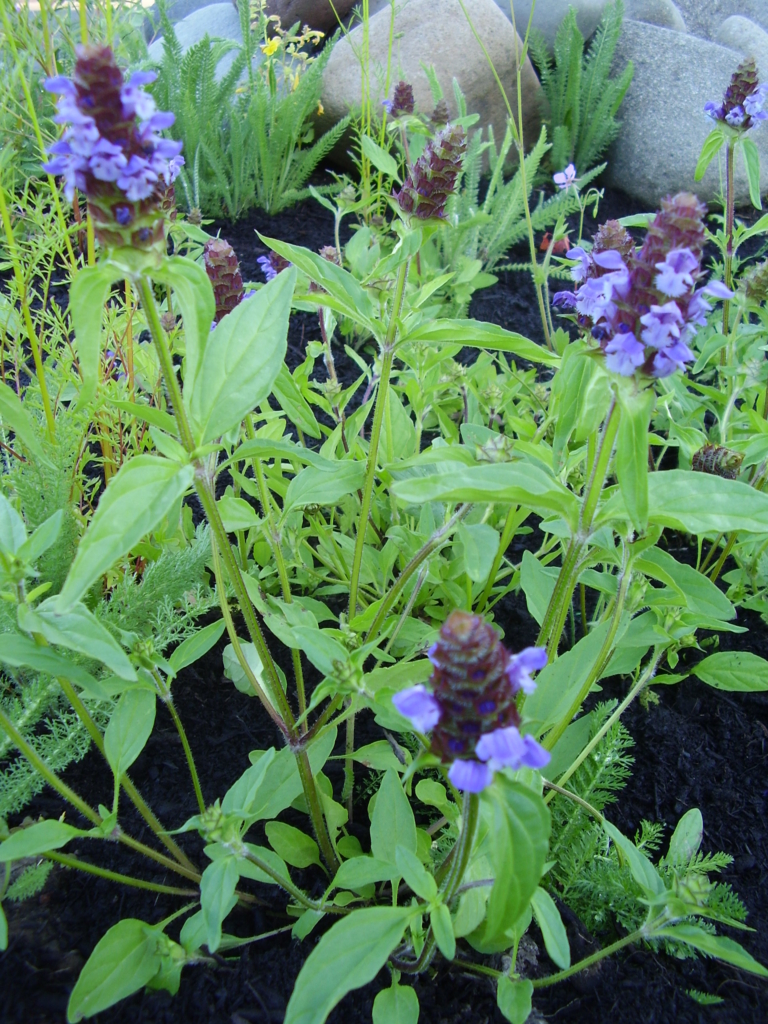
[[697, 748]]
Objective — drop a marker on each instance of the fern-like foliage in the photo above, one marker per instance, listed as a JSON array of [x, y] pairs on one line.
[[248, 138], [583, 98], [30, 882]]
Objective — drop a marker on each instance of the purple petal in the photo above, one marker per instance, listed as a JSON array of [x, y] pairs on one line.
[[565, 299], [718, 290], [60, 84], [532, 659], [535, 755], [470, 776], [502, 748], [624, 354], [609, 259], [139, 78], [419, 706]]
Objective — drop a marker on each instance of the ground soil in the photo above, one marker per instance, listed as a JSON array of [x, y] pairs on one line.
[[696, 748]]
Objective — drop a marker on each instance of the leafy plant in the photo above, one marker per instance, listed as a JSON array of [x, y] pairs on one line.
[[583, 98], [249, 137]]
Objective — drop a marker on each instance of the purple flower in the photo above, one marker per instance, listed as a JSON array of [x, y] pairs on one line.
[[712, 110], [565, 299], [520, 666], [661, 325], [735, 117], [624, 353], [580, 271], [266, 267], [676, 273], [671, 358], [753, 104], [419, 706], [742, 106], [564, 179], [470, 776], [718, 289]]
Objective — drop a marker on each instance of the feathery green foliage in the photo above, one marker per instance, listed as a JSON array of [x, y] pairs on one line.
[[583, 98], [29, 882], [249, 139]]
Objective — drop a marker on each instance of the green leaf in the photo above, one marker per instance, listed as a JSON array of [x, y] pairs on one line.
[[123, 962], [632, 454], [552, 928], [360, 871], [700, 593], [4, 930], [513, 998], [714, 945], [236, 513], [134, 503], [415, 874], [480, 542], [479, 334], [518, 819], [44, 536], [129, 729], [566, 399], [442, 929], [87, 295], [37, 839], [19, 651], [197, 645], [13, 532], [712, 146], [281, 783], [323, 650], [737, 671], [79, 630], [698, 503], [217, 888], [291, 401], [379, 157], [242, 358], [686, 839], [643, 871], [194, 297], [148, 413], [347, 957], [240, 797], [16, 418], [508, 483], [538, 584], [350, 297], [294, 846], [751, 156], [317, 487], [393, 823], [398, 1004]]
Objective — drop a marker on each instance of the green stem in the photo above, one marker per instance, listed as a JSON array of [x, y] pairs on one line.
[[130, 789], [167, 699], [511, 524], [316, 814], [115, 876], [387, 358], [576, 799], [729, 212], [600, 661], [640, 685], [582, 965], [435, 541]]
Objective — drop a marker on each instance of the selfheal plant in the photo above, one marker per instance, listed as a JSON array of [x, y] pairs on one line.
[[402, 102], [742, 105], [112, 150], [471, 709], [223, 272], [643, 306], [432, 179]]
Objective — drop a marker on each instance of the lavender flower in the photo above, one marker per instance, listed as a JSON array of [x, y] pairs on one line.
[[564, 179], [642, 306], [471, 710], [272, 264], [402, 102], [112, 149], [742, 106], [433, 177]]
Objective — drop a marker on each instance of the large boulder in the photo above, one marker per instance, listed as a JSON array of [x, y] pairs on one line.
[[703, 17], [663, 13], [436, 32], [748, 38], [663, 120], [548, 15], [219, 21]]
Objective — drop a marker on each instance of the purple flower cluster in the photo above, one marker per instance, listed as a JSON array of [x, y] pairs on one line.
[[742, 106], [402, 102], [471, 709], [643, 306], [112, 149], [272, 264], [433, 177]]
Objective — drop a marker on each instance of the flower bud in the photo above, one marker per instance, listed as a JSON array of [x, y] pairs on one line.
[[223, 270], [433, 177], [402, 101], [718, 461], [742, 106]]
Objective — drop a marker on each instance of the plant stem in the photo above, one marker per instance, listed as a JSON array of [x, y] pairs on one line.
[[115, 876], [576, 799], [165, 695], [387, 358], [729, 211], [511, 524], [582, 965], [130, 789]]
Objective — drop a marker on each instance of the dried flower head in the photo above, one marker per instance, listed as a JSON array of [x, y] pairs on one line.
[[223, 270], [402, 102], [471, 710], [441, 115], [643, 306], [432, 179], [717, 461], [613, 235], [742, 106], [112, 149], [330, 253], [755, 283]]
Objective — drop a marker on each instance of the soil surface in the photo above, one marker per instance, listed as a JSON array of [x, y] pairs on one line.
[[697, 748]]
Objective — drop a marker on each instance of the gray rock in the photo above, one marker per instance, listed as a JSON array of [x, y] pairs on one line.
[[176, 10], [656, 12], [219, 21], [748, 38], [451, 48], [664, 125], [704, 17], [549, 14]]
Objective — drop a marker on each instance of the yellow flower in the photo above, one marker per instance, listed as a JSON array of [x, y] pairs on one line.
[[320, 109], [271, 47]]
